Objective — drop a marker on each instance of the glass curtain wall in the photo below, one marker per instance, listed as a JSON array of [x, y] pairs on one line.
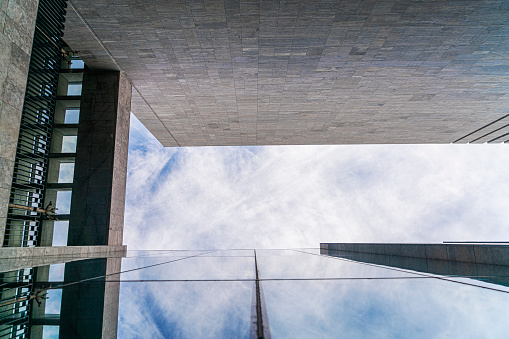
[[211, 294], [208, 294]]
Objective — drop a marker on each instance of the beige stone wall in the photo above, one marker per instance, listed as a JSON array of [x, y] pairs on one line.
[[17, 258], [17, 25]]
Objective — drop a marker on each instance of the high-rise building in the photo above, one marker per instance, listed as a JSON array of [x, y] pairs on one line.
[[211, 73], [64, 146]]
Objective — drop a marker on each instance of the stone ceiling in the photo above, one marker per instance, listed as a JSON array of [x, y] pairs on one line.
[[305, 72]]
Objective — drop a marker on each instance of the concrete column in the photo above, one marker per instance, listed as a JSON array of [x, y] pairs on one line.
[[98, 193], [90, 309], [17, 25], [111, 299]]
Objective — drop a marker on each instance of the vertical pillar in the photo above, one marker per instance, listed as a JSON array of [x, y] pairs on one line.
[[259, 328], [17, 25], [98, 193], [81, 314], [111, 298], [90, 309]]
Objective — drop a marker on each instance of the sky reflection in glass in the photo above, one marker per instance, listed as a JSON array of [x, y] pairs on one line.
[[406, 308], [307, 296]]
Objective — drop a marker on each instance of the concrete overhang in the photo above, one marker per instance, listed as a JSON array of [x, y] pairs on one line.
[[305, 72]]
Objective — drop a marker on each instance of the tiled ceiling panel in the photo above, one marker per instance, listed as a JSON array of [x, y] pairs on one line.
[[305, 72]]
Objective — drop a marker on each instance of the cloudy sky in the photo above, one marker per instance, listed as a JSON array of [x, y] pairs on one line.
[[299, 196], [213, 198]]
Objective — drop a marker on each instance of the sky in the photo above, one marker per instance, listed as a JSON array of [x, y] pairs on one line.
[[282, 197], [299, 196]]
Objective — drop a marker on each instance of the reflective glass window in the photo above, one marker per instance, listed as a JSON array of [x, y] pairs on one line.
[[56, 272], [72, 116], [74, 88], [66, 172], [77, 64], [69, 143], [60, 232], [63, 202], [50, 332], [53, 301]]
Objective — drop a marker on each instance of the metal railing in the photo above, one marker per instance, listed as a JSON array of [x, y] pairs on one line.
[[15, 290], [31, 164]]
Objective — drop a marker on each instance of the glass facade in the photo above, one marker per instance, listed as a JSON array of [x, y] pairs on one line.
[[213, 294], [307, 295]]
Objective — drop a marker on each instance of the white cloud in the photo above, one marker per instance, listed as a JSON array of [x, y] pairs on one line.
[[201, 309], [298, 196]]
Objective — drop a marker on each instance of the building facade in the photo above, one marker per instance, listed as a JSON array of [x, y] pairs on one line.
[[252, 73], [212, 73], [64, 141]]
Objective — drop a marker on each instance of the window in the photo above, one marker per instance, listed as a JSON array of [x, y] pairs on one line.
[[69, 143], [56, 272], [60, 233], [77, 64], [63, 202], [50, 332], [65, 172], [72, 116], [74, 88], [54, 301]]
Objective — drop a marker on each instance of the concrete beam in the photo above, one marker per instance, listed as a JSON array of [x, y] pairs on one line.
[[15, 258], [275, 73], [476, 254], [486, 263]]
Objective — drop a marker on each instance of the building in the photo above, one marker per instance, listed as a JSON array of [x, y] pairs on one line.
[[64, 145], [486, 262], [304, 72], [254, 73], [221, 73]]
